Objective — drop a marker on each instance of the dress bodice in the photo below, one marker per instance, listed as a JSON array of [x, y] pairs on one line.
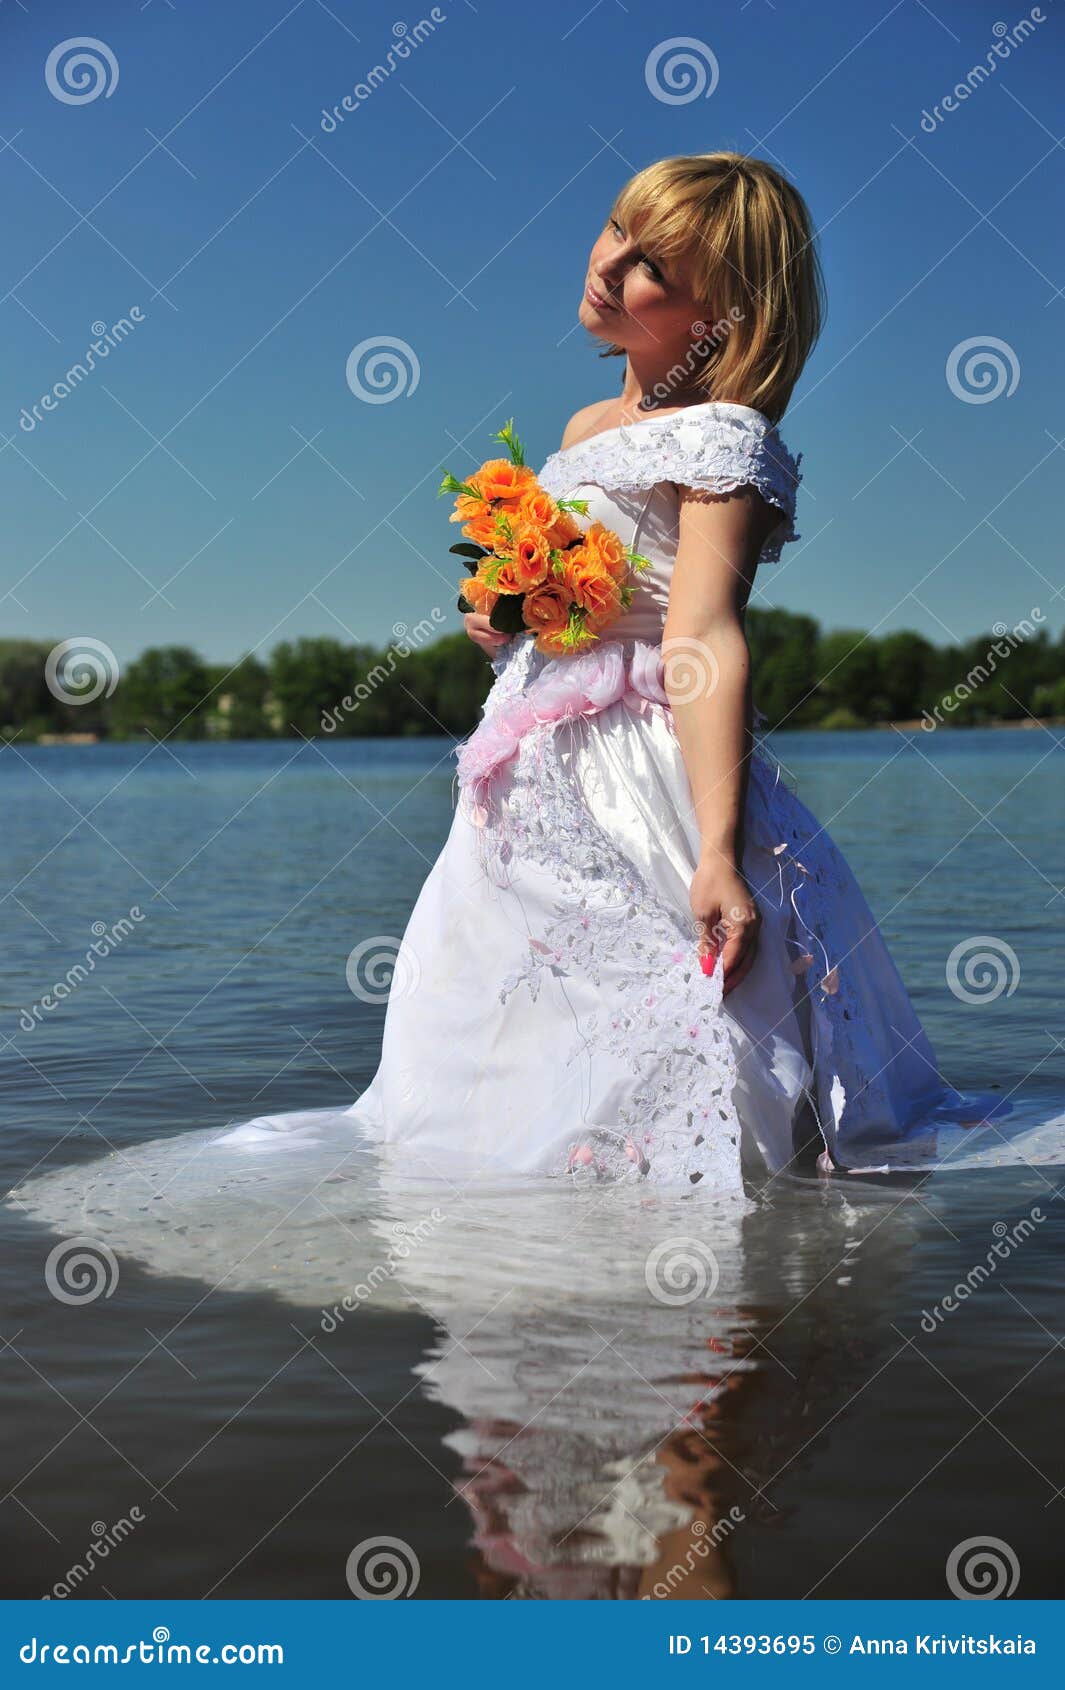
[[630, 476]]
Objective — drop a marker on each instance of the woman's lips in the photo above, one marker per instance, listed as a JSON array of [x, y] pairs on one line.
[[597, 299]]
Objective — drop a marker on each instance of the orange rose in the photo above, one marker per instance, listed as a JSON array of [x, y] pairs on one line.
[[467, 505], [550, 642], [603, 548], [476, 589], [539, 509], [531, 558], [506, 578], [593, 587], [481, 529], [546, 608], [500, 479]]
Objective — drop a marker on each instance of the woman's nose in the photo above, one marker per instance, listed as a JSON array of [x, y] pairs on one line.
[[614, 262], [609, 271]]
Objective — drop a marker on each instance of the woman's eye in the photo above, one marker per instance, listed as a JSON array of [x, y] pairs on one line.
[[648, 263]]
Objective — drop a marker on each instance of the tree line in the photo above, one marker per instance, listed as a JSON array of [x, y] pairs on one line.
[[802, 676]]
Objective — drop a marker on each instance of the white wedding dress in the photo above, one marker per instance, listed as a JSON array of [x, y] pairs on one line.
[[548, 1013], [548, 1016]]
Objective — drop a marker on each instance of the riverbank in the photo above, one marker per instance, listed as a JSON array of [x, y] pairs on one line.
[[913, 725]]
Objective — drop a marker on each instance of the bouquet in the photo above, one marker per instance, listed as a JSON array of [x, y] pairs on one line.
[[535, 570]]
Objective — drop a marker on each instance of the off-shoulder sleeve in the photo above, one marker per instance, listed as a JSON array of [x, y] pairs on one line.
[[723, 452], [716, 447]]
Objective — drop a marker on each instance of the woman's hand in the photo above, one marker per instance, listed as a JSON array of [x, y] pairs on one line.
[[722, 902], [482, 633]]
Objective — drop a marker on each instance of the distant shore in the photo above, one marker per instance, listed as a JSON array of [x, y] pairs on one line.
[[913, 726], [428, 684]]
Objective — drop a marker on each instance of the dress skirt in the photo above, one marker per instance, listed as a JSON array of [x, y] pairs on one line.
[[549, 1012]]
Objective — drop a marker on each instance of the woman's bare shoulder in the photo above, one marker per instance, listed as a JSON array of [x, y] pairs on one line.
[[585, 421]]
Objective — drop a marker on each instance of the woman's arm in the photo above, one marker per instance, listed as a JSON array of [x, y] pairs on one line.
[[707, 678]]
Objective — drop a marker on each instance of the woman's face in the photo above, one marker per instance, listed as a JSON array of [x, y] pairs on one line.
[[635, 301]]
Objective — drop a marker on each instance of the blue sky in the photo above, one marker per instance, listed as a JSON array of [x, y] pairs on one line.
[[216, 481]]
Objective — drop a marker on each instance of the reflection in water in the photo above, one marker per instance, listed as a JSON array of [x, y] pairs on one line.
[[630, 1369], [624, 1372]]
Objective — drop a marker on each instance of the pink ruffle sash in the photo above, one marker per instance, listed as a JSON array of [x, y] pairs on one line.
[[566, 687]]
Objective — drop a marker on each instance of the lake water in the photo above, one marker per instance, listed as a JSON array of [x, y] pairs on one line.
[[506, 1401]]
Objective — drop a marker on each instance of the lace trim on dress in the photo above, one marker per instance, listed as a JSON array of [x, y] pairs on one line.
[[678, 1121], [717, 447], [517, 789]]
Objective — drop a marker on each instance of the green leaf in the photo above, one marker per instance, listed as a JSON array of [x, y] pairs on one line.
[[450, 485], [464, 604], [506, 613], [511, 442], [576, 636], [468, 549]]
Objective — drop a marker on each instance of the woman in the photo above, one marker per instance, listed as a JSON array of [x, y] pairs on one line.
[[638, 954]]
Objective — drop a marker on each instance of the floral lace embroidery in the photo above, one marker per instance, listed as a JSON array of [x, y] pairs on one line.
[[678, 1121], [715, 446]]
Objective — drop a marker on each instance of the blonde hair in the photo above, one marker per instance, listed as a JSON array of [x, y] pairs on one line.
[[750, 239]]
